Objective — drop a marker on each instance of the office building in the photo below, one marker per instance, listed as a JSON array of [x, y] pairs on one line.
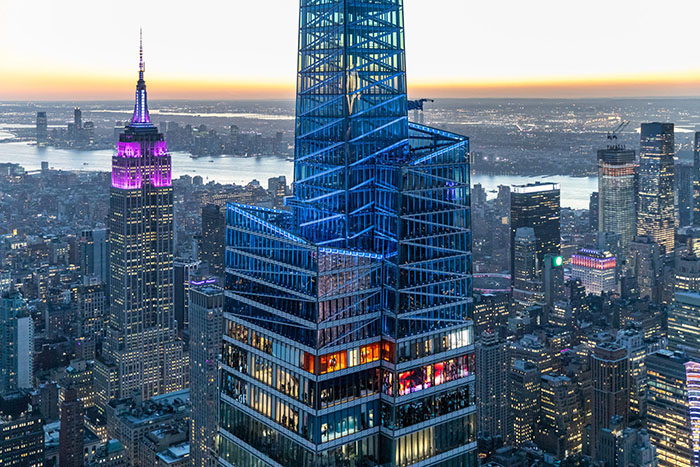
[[130, 420], [492, 386], [141, 350], [617, 193], [524, 393], [655, 209], [527, 283], [597, 270], [593, 208], [553, 279], [94, 254], [537, 205], [5, 281], [212, 248], [684, 323], [560, 421], [635, 344], [334, 296], [17, 349], [674, 395], [684, 175], [687, 272], [185, 272], [611, 388], [696, 179], [21, 432], [91, 303], [491, 311], [646, 266], [71, 431], [206, 329], [626, 447], [42, 129]]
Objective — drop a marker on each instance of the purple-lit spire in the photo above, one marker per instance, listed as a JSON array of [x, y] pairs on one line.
[[141, 117]]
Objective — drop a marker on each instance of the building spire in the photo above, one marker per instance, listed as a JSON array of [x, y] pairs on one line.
[[141, 117]]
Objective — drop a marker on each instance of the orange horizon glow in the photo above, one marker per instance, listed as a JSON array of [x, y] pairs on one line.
[[32, 87]]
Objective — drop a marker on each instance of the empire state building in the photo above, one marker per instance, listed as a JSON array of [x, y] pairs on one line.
[[142, 355]]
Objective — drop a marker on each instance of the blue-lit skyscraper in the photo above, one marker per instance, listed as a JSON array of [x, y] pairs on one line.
[[348, 333]]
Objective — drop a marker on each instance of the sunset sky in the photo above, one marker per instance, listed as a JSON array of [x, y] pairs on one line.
[[86, 49]]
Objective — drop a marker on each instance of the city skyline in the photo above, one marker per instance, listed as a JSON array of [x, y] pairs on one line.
[[65, 54]]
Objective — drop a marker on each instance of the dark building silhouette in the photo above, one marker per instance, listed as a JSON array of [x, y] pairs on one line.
[[70, 451], [213, 236]]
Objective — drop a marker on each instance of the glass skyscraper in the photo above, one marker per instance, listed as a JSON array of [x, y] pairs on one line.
[[617, 193], [348, 333], [537, 205], [141, 352], [656, 213]]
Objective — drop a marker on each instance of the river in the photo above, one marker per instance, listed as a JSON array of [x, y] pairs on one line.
[[575, 191]]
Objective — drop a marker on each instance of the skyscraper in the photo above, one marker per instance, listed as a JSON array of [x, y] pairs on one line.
[[593, 209], [527, 286], [492, 385], [537, 205], [94, 253], [141, 350], [184, 273], [617, 193], [611, 387], [596, 270], [672, 413], [213, 238], [71, 439], [42, 134], [206, 327], [646, 266], [684, 323], [524, 393], [560, 421], [656, 214], [17, 348], [696, 179], [335, 297], [684, 174]]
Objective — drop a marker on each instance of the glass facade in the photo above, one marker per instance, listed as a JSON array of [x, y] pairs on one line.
[[348, 333], [656, 211], [617, 188]]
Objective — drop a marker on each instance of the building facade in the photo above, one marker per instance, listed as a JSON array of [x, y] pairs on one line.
[[492, 385], [340, 340], [684, 323], [656, 212], [206, 329], [524, 393], [537, 205], [617, 188], [17, 349], [597, 270], [141, 350], [213, 242]]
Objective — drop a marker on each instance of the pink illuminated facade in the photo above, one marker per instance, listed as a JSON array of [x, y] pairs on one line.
[[142, 351], [597, 270]]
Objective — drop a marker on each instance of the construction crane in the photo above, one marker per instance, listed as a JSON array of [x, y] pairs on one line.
[[418, 104], [613, 135]]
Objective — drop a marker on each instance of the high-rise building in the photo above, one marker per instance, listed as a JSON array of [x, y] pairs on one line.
[[672, 412], [94, 254], [21, 432], [71, 432], [684, 323], [684, 174], [206, 329], [91, 304], [696, 179], [17, 348], [626, 447], [560, 420], [527, 285], [185, 272], [593, 208], [141, 351], [491, 310], [524, 393], [492, 385], [343, 298], [646, 266], [42, 132], [611, 387], [537, 205], [633, 341], [656, 214], [687, 272], [213, 238], [597, 270], [617, 167]]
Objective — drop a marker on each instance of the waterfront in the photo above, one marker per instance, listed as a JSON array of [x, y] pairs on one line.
[[240, 170]]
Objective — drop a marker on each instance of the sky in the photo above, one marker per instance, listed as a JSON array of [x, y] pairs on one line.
[[233, 49]]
